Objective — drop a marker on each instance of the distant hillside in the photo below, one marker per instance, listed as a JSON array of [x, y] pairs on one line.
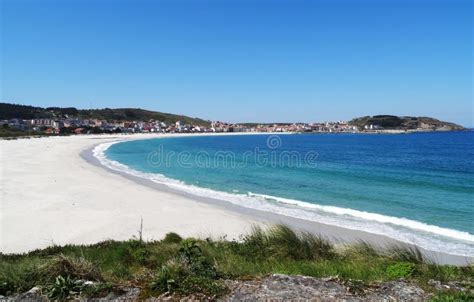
[[8, 111], [404, 123]]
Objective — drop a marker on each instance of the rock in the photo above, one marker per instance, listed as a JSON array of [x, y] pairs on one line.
[[298, 288], [280, 287], [398, 291], [88, 282], [34, 290], [33, 295], [125, 294], [449, 286], [131, 294], [435, 283], [283, 287]]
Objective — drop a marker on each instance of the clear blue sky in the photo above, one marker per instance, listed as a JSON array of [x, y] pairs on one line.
[[243, 60]]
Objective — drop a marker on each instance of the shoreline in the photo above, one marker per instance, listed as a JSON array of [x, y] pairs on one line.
[[336, 234], [389, 131], [242, 217]]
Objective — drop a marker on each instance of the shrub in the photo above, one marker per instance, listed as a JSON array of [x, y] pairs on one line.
[[361, 250], [164, 281], [140, 255], [195, 260], [77, 268], [172, 238], [181, 281], [400, 270], [191, 272], [17, 278], [446, 272], [281, 241], [190, 250], [200, 284], [406, 254], [63, 288], [96, 290], [121, 272], [6, 287]]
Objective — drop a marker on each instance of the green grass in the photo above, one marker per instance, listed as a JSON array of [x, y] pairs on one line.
[[453, 297], [199, 267]]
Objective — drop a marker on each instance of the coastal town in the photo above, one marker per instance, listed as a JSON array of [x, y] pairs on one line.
[[21, 120], [94, 126]]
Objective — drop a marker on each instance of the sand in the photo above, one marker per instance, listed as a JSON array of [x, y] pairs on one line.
[[53, 191], [51, 195]]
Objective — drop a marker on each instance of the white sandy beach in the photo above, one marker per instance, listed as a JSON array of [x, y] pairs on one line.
[[50, 195]]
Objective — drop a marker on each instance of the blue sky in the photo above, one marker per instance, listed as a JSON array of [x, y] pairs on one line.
[[243, 60]]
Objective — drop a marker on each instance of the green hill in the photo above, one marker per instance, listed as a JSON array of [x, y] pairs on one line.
[[404, 123], [9, 111]]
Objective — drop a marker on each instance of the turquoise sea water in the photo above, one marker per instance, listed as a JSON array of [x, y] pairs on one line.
[[416, 188]]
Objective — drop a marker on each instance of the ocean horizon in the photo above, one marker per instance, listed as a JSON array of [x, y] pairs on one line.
[[415, 188]]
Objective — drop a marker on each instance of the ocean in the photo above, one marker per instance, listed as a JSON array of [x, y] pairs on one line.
[[416, 188]]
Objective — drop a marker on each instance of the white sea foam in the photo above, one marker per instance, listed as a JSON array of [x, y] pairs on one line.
[[427, 236]]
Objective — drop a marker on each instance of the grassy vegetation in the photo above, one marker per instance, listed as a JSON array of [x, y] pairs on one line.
[[199, 267], [7, 132]]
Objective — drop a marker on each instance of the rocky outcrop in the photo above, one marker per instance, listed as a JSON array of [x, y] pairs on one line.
[[391, 122], [298, 288]]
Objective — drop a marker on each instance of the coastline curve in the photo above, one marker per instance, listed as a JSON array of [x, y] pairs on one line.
[[427, 237]]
